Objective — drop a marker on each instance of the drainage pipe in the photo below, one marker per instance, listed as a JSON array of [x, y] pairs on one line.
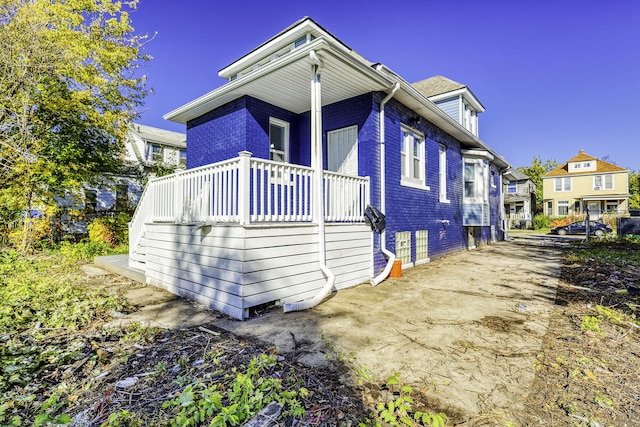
[[383, 236], [316, 138]]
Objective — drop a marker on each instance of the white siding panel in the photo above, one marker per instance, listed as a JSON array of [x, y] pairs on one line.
[[232, 268]]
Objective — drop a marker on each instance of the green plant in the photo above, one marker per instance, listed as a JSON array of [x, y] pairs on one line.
[[101, 231], [591, 323], [541, 221], [124, 418], [235, 400], [399, 412], [137, 332]]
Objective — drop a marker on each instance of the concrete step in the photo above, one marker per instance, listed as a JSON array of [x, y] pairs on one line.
[[119, 264]]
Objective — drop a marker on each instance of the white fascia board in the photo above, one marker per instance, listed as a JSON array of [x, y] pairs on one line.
[[279, 41], [466, 94]]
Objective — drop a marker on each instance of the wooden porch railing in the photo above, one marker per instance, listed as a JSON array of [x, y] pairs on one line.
[[246, 190]]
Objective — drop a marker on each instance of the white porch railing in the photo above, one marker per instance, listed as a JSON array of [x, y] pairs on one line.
[[246, 190]]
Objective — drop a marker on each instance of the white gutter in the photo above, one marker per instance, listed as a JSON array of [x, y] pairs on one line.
[[316, 139], [383, 236]]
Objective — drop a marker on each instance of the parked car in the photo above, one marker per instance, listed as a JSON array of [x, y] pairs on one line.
[[580, 227]]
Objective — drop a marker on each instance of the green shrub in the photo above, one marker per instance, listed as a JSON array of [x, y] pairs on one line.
[[101, 231], [88, 250], [541, 221]]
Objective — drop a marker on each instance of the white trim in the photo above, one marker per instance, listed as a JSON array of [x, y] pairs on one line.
[[408, 158], [442, 173], [286, 129]]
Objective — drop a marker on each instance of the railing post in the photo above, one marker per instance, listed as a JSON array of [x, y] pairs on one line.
[[178, 199], [244, 187]]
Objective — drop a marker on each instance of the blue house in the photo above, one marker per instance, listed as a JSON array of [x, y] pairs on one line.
[[285, 161]]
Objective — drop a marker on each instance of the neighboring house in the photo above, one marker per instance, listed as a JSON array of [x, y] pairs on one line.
[[284, 162], [146, 149], [519, 199], [585, 182]]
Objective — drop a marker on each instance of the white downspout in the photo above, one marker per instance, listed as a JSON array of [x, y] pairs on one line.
[[391, 257], [316, 140]]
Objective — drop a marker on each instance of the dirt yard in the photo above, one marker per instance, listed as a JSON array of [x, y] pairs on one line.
[[493, 337]]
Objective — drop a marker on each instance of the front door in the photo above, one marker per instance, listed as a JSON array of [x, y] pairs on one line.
[[342, 150], [594, 208]]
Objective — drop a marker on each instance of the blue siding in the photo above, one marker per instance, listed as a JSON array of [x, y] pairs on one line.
[[243, 124], [451, 106]]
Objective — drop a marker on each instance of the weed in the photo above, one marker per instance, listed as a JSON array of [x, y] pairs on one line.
[[137, 332], [399, 412], [234, 401], [591, 323]]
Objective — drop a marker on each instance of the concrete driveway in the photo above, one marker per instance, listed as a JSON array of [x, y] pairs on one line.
[[464, 330]]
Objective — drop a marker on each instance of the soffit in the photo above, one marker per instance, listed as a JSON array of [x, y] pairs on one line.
[[286, 83]]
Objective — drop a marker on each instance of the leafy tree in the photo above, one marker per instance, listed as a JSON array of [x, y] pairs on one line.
[[535, 172], [634, 190], [68, 91]]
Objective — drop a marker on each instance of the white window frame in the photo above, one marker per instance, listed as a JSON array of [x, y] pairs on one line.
[[603, 184], [512, 187], [480, 190], [563, 204], [442, 173], [285, 152], [412, 141], [560, 184]]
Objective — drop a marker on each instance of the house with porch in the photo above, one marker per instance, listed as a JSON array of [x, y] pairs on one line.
[[519, 199], [311, 170], [586, 182]]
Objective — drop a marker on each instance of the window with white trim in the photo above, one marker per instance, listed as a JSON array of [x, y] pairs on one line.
[[442, 173], [512, 187], [563, 207], [278, 140], [562, 184], [412, 157], [603, 182]]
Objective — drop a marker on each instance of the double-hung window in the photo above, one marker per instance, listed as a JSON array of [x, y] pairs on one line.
[[442, 173], [278, 140], [562, 184], [412, 157], [512, 187], [563, 207], [603, 182]]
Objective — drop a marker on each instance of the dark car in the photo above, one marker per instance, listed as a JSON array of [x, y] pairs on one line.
[[580, 227]]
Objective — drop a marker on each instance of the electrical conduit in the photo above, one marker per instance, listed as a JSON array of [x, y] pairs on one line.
[[391, 257], [316, 135]]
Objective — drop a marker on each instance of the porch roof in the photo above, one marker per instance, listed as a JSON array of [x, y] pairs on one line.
[[285, 81], [606, 197]]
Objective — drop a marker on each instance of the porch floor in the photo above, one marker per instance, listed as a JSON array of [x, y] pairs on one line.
[[119, 264]]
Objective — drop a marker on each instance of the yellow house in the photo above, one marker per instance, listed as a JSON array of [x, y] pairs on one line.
[[585, 182]]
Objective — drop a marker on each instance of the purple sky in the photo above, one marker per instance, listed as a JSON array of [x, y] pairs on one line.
[[555, 76]]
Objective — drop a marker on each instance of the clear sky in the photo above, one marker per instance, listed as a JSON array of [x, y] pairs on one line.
[[555, 76]]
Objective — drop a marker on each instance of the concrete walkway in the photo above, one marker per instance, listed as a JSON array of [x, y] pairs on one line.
[[464, 329]]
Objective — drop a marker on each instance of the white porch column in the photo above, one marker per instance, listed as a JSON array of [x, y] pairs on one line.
[[316, 142]]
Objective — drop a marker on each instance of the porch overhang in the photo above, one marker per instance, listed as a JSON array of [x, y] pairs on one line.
[[605, 197], [285, 82]]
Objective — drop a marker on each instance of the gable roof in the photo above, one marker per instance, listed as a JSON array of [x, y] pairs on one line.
[[160, 136], [437, 85], [437, 88], [601, 166]]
